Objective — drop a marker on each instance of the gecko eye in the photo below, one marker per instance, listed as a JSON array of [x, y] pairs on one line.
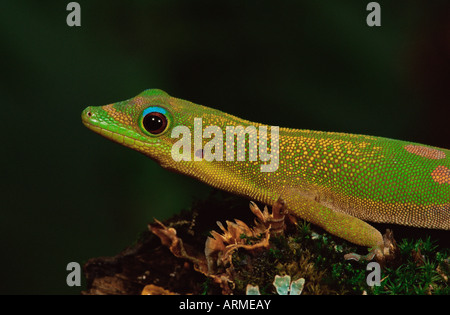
[[154, 122]]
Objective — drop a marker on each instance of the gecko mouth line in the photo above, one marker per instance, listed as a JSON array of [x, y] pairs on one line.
[[118, 137]]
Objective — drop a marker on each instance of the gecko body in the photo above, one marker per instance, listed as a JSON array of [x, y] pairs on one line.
[[334, 180]]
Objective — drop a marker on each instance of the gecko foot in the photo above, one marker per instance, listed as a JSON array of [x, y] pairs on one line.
[[354, 256], [386, 254]]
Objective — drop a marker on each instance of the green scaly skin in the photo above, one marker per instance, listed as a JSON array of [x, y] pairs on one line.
[[334, 180]]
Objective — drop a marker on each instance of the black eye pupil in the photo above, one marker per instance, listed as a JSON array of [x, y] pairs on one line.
[[155, 122]]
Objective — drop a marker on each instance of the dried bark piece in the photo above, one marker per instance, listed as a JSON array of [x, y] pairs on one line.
[[219, 247], [169, 238], [273, 221], [152, 289], [175, 244]]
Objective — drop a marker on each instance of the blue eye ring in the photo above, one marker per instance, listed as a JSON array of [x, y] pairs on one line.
[[154, 120], [155, 109]]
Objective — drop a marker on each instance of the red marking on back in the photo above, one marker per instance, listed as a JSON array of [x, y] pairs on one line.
[[425, 152], [441, 174]]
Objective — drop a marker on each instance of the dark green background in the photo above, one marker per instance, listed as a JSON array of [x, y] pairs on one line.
[[68, 194]]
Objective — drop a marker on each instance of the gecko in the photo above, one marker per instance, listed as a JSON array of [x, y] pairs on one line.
[[338, 181]]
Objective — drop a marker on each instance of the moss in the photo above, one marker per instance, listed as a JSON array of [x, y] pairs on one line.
[[319, 259], [424, 270]]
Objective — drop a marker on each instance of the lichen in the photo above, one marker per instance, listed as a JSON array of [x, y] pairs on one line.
[[283, 285]]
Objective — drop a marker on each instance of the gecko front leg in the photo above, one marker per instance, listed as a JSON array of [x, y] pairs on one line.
[[337, 223]]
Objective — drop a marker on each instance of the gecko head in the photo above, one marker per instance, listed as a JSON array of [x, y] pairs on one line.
[[143, 123]]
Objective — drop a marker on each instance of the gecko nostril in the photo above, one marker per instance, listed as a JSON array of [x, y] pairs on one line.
[[88, 114]]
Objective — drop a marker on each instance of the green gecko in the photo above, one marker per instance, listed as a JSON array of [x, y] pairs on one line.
[[334, 180]]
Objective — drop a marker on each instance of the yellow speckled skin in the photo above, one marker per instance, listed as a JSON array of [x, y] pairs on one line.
[[334, 180]]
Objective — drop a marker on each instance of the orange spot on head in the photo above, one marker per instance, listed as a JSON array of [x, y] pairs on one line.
[[138, 100], [441, 174], [429, 153], [119, 116]]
